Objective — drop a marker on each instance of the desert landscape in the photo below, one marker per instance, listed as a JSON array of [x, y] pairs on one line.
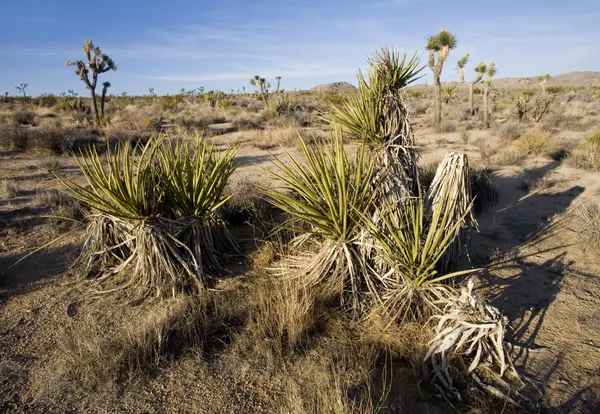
[[389, 246]]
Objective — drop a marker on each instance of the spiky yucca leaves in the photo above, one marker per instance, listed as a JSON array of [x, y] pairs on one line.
[[376, 115], [473, 330], [410, 242], [451, 189], [326, 197], [128, 229], [194, 179]]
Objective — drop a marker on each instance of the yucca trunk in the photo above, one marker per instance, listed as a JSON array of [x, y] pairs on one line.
[[486, 109], [471, 107], [437, 105]]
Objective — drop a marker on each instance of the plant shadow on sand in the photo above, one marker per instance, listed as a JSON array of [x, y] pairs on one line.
[[523, 277]]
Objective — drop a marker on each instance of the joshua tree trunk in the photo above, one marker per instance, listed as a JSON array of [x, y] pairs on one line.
[[437, 106], [103, 98], [95, 106], [486, 110], [471, 107]]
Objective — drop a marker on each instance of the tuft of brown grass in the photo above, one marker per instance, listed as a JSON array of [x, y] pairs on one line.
[[587, 154], [536, 142], [585, 217], [9, 188]]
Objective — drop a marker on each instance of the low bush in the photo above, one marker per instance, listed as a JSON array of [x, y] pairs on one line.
[[510, 131], [536, 142]]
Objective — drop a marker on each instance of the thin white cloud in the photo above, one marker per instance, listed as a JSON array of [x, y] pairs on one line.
[[310, 73]]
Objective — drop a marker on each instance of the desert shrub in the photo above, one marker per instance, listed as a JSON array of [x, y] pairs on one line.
[[585, 156], [16, 139], [427, 173], [585, 217], [460, 113], [536, 142], [448, 126], [152, 124], [415, 93], [486, 148], [507, 156], [555, 89], [64, 141], [465, 136], [24, 118], [9, 188], [593, 138], [510, 131], [555, 120], [419, 108]]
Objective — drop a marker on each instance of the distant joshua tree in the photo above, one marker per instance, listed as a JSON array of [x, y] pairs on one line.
[[262, 85], [460, 66], [21, 88], [244, 89], [278, 79], [98, 63], [480, 69], [542, 81], [439, 46], [491, 72]]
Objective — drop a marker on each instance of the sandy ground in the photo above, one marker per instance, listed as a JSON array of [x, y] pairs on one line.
[[544, 277]]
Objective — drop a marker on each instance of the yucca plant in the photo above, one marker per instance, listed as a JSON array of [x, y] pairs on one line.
[[325, 198], [152, 223], [410, 245], [473, 330], [376, 115], [450, 190], [194, 179], [128, 228]]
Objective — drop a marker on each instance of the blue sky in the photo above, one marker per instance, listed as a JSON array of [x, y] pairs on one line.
[[169, 45]]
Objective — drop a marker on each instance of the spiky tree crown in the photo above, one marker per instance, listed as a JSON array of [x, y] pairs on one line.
[[463, 62], [97, 61], [444, 39], [491, 71]]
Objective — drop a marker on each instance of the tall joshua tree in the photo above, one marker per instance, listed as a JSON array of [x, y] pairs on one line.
[[460, 65], [97, 63], [491, 72], [261, 84], [480, 70], [439, 46], [278, 79], [542, 81]]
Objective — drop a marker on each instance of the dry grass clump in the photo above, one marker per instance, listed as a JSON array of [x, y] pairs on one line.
[[536, 142], [142, 341], [510, 131], [585, 218], [9, 188], [587, 154], [483, 190], [273, 137]]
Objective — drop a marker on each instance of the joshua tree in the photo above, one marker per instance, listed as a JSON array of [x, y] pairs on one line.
[[480, 70], [542, 81], [440, 45], [460, 66], [22, 89], [491, 72], [278, 79], [244, 89], [105, 87], [262, 85], [97, 63]]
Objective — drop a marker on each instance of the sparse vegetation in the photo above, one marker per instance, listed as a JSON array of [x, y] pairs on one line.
[[536, 142], [306, 284]]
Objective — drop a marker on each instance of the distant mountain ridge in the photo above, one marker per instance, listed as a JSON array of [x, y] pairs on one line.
[[335, 86], [576, 79]]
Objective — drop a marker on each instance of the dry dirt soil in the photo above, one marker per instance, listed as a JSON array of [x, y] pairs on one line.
[[542, 273]]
